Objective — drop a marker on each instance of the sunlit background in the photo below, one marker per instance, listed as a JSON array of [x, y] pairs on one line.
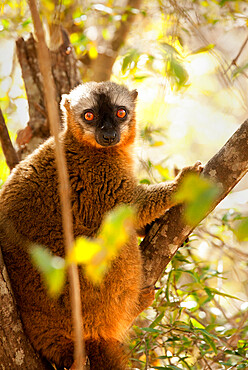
[[182, 118]]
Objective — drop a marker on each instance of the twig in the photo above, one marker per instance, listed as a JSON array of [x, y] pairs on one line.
[[232, 341], [64, 188], [223, 63], [8, 149], [234, 61], [207, 364]]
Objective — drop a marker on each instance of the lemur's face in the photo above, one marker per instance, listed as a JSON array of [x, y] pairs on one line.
[[103, 113]]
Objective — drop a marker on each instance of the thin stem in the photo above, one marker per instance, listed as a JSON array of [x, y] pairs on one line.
[[64, 187]]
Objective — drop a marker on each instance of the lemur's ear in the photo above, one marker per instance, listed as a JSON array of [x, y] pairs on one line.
[[65, 103], [65, 108], [134, 94]]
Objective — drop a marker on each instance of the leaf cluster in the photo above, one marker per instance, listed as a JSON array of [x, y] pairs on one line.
[[185, 327]]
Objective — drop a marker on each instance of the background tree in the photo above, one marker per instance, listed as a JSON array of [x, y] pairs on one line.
[[193, 323]]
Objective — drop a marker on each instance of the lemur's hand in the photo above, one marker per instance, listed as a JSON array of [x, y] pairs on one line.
[[195, 169]]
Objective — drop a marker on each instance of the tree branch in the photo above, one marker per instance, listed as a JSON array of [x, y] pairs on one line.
[[168, 233], [64, 186], [102, 65], [8, 149]]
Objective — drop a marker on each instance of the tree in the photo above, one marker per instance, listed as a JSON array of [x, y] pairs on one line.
[[168, 233]]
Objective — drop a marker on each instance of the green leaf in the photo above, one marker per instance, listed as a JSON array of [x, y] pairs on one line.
[[204, 49], [239, 70], [179, 72], [152, 330], [215, 291], [96, 254], [169, 367], [140, 77], [164, 172], [51, 267], [199, 195], [157, 320], [26, 23], [241, 231], [132, 56], [145, 181], [115, 229], [210, 342], [196, 324], [205, 332], [169, 49]]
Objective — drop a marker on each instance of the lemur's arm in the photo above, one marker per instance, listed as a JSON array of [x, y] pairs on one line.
[[151, 201]]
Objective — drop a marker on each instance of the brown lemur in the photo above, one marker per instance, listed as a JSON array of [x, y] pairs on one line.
[[98, 138]]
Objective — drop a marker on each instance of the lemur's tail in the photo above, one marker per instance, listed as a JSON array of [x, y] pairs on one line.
[[106, 354]]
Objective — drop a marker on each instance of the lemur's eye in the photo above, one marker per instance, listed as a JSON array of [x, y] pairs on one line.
[[121, 113], [89, 116]]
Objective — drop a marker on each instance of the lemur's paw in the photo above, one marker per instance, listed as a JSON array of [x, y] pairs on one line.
[[195, 169], [147, 296]]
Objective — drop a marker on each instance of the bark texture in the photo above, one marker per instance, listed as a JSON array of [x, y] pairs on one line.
[[66, 77], [16, 352], [8, 149]]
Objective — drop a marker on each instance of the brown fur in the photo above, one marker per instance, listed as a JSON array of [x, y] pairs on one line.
[[30, 212]]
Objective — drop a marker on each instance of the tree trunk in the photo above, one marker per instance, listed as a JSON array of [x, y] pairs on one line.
[[66, 77], [16, 352]]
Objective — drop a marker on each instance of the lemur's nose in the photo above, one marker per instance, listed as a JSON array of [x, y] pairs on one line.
[[109, 137]]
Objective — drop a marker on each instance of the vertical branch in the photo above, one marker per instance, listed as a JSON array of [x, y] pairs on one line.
[[103, 64], [64, 188], [8, 149]]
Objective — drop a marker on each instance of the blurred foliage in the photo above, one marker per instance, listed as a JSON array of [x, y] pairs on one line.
[[4, 169], [52, 269], [194, 322], [241, 230], [198, 194], [95, 255]]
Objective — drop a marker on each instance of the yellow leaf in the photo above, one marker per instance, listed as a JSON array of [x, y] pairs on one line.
[[93, 53], [84, 250]]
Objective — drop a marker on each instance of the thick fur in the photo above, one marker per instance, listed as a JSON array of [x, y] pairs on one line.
[[108, 354], [30, 212]]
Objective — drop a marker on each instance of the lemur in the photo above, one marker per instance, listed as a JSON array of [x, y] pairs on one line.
[[98, 139]]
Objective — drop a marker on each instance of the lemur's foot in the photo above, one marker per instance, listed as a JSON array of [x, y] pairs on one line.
[[146, 297]]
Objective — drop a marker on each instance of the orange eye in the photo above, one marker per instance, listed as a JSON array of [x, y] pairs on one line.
[[121, 113], [88, 116]]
